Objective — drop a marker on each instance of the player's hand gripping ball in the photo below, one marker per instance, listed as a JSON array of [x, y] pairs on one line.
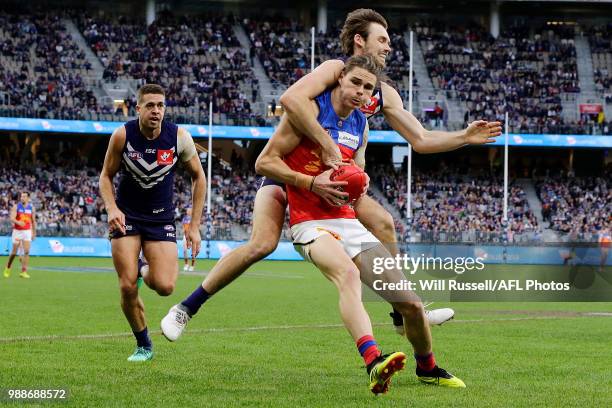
[[356, 178]]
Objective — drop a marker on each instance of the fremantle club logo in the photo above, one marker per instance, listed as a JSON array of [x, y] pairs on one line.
[[164, 157]]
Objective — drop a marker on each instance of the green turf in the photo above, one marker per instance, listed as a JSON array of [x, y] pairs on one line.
[[509, 354]]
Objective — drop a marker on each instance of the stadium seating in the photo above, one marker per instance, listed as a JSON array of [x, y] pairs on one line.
[[526, 71], [43, 70], [197, 59], [601, 49], [527, 75], [233, 196], [579, 206], [449, 206], [68, 203], [283, 47]]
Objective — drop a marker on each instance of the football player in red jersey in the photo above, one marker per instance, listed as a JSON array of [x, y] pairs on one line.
[[332, 238], [368, 32], [365, 32], [24, 231]]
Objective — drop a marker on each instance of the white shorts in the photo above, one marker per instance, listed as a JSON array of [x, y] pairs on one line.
[[353, 236], [22, 235]]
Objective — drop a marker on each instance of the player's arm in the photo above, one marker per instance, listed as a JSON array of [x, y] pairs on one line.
[[112, 163], [33, 223], [433, 141], [360, 157], [297, 103], [270, 164], [189, 157], [13, 216], [360, 153]]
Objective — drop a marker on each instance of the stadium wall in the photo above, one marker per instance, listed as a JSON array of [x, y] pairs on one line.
[[532, 255], [263, 133]]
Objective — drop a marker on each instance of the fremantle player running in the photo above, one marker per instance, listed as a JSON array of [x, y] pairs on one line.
[[366, 30], [147, 150], [24, 231], [332, 238]]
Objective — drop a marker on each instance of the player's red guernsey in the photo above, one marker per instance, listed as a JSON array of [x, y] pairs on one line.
[[24, 213], [605, 240], [305, 205]]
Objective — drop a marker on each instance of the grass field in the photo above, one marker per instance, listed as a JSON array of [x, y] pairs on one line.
[[274, 339]]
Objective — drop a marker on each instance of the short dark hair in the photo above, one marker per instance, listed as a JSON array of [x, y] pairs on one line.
[[358, 22], [150, 89], [366, 61]]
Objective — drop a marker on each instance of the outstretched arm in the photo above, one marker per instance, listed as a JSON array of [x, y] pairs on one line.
[[33, 223], [112, 162], [13, 217], [297, 103], [360, 157], [433, 141], [192, 164]]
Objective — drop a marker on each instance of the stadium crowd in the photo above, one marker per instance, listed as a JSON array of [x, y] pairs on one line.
[[43, 69], [525, 74], [233, 196], [601, 49], [283, 47], [459, 207], [67, 201], [196, 59], [65, 198], [200, 60], [448, 204], [579, 206]]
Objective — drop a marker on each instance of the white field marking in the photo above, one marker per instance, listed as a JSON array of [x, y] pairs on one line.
[[252, 274], [194, 273], [272, 328]]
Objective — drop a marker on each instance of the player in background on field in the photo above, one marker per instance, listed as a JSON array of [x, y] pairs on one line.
[[141, 215], [23, 218], [186, 221]]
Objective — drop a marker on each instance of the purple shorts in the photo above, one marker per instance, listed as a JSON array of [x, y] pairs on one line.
[[148, 231], [269, 182]]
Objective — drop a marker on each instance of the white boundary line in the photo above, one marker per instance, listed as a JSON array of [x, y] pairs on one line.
[[18, 339], [181, 273]]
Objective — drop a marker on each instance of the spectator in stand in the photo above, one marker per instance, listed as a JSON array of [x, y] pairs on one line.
[[448, 204], [580, 206]]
